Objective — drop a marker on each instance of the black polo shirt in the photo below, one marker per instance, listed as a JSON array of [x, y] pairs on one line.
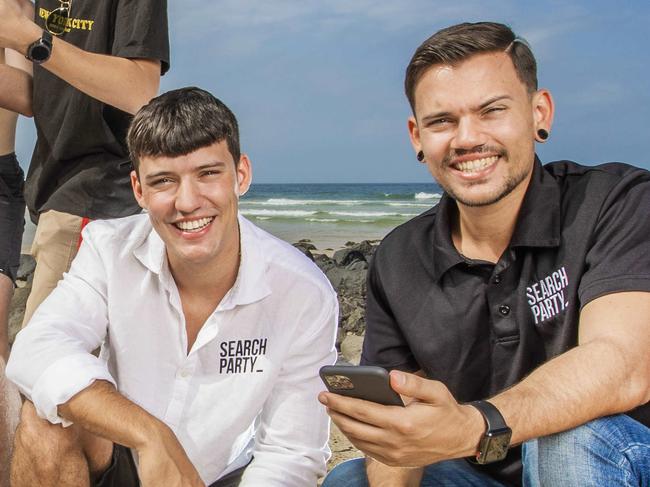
[[480, 327]]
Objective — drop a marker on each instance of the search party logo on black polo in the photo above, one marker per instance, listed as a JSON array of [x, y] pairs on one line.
[[547, 296], [241, 356]]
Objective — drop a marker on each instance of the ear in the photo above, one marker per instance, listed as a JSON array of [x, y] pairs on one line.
[[244, 175], [543, 110], [414, 133], [137, 189]]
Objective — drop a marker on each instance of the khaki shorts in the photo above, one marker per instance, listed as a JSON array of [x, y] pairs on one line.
[[56, 242]]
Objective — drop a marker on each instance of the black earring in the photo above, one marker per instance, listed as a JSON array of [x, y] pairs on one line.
[[420, 156], [542, 134]]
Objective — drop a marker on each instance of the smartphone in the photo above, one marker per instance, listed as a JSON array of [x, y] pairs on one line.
[[362, 382]]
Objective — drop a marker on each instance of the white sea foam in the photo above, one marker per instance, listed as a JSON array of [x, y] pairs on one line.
[[277, 213], [411, 205], [427, 196], [291, 202], [322, 220], [373, 214]]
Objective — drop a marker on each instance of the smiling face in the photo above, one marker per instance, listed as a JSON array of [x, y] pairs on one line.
[[192, 201], [475, 123]]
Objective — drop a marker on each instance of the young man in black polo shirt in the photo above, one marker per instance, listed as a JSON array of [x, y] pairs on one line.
[[527, 289]]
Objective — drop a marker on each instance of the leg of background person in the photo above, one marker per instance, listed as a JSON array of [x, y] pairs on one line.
[[612, 451], [55, 245], [6, 292], [50, 455], [451, 473], [9, 413]]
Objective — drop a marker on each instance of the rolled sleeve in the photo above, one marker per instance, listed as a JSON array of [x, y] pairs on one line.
[[52, 358], [64, 379]]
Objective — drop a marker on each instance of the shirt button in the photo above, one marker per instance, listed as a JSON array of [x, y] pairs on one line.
[[497, 279], [504, 309], [184, 373]]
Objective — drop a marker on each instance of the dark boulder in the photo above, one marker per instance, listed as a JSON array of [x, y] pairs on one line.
[[345, 257]]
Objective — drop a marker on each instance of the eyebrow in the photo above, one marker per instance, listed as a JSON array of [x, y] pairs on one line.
[[203, 167], [488, 102], [492, 100]]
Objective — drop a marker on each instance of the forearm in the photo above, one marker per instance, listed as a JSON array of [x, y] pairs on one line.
[[126, 84], [16, 93], [123, 83], [380, 475], [103, 411], [587, 382]]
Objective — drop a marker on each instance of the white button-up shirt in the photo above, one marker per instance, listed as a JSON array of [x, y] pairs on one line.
[[247, 389]]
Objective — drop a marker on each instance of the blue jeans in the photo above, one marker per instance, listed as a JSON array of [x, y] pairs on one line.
[[612, 451]]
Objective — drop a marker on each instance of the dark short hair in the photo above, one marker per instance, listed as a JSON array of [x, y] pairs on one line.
[[457, 43], [179, 122]]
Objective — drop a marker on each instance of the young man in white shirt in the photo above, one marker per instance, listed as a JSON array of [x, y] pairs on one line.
[[213, 331]]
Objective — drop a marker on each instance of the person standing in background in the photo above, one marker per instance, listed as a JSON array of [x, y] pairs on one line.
[[15, 75], [96, 63]]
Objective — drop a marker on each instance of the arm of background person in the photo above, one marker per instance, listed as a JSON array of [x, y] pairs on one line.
[[607, 373], [126, 84], [16, 93], [291, 443]]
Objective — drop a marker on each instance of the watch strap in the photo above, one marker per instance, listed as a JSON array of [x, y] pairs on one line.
[[46, 38], [493, 418]]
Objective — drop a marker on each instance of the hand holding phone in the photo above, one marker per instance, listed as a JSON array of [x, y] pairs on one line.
[[362, 382]]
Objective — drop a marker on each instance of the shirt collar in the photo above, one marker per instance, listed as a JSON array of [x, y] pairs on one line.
[[538, 222], [251, 284], [446, 255]]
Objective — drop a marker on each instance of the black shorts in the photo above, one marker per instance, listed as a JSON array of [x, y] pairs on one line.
[[12, 214], [122, 472]]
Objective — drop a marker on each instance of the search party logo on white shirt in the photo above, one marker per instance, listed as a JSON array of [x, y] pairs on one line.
[[240, 356], [546, 297]]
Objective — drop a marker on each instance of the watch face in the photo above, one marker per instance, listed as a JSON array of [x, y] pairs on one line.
[[496, 445], [39, 53]]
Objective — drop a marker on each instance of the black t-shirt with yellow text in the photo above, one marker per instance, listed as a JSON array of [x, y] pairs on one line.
[[80, 163]]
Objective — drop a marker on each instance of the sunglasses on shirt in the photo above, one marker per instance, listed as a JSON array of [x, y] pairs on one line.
[[56, 22]]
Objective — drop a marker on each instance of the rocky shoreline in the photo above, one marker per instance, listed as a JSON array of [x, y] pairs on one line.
[[346, 269]]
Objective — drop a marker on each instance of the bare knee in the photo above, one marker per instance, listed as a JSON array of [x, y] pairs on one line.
[[48, 446], [43, 442]]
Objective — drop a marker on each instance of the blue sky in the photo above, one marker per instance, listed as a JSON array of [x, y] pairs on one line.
[[317, 84]]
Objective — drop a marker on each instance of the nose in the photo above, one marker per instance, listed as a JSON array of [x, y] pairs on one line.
[[188, 197], [468, 134]]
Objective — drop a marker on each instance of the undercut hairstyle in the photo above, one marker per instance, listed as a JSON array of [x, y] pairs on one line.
[[179, 122], [452, 45]]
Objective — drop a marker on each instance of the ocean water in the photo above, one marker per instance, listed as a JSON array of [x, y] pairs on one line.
[[332, 214], [327, 214]]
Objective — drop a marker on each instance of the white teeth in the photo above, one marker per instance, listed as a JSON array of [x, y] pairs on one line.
[[194, 225], [476, 165]]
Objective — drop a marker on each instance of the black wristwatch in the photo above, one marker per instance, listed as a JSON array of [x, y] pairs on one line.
[[496, 440], [40, 50]]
